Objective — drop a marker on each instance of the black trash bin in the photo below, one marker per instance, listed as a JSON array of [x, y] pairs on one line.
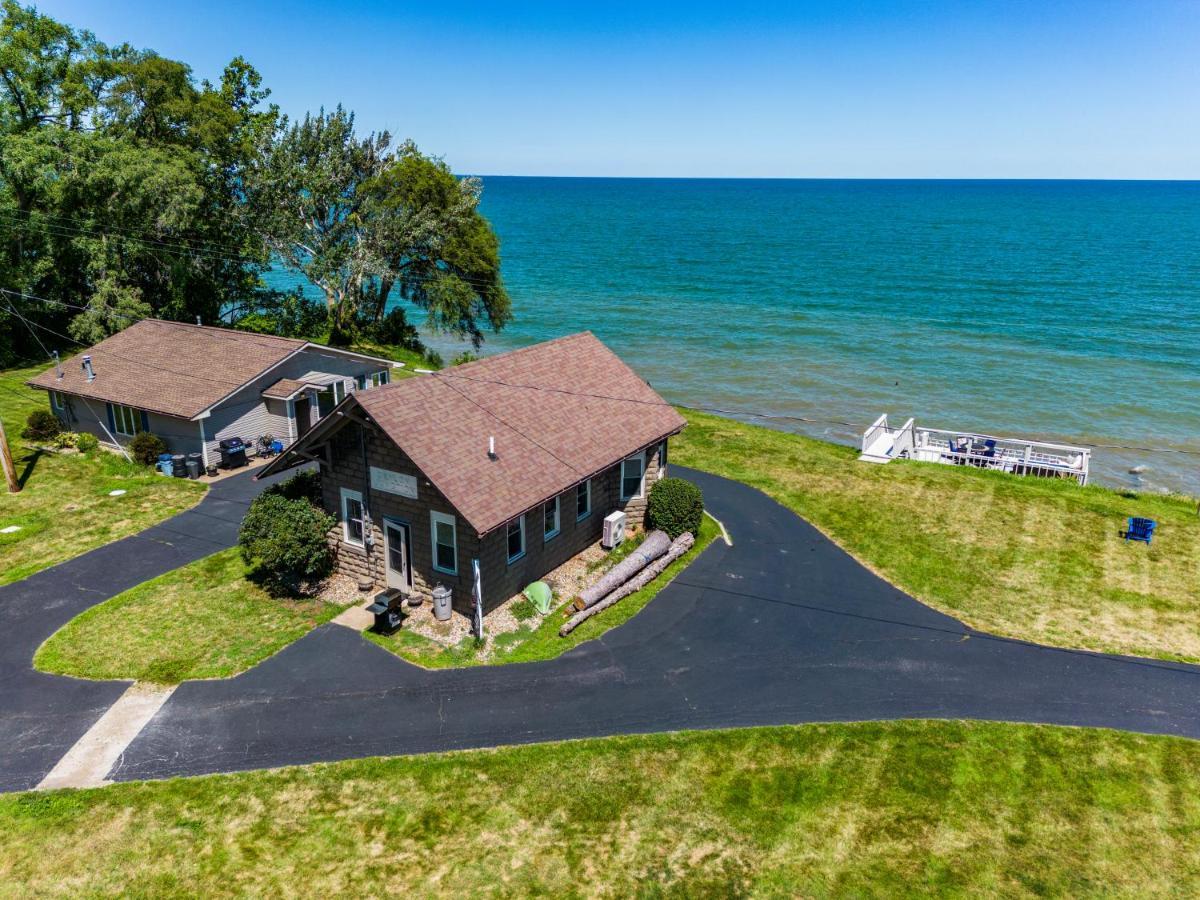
[[178, 465], [193, 468]]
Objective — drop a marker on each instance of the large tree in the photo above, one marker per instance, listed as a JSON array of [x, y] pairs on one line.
[[120, 183], [364, 221]]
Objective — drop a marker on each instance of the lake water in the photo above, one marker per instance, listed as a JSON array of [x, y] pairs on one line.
[[1059, 309]]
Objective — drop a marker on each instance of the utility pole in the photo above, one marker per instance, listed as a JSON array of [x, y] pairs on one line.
[[10, 471]]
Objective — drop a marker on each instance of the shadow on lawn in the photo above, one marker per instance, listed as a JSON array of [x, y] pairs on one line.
[[31, 462]]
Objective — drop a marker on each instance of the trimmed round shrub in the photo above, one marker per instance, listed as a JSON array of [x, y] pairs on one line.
[[86, 442], [41, 425], [146, 447], [675, 505], [284, 541], [65, 440], [304, 485]]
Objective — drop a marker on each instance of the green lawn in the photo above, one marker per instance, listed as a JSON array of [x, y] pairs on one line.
[[205, 620], [531, 644], [64, 508], [869, 809], [1037, 559]]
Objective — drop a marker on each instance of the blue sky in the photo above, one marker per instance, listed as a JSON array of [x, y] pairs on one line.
[[1054, 89]]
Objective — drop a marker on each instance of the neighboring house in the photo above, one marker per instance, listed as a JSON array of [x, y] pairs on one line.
[[194, 385], [574, 434]]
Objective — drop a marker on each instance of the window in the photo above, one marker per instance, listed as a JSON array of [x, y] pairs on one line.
[[516, 539], [380, 378], [58, 400], [583, 500], [662, 460], [445, 543], [352, 517], [125, 420], [549, 519], [361, 381], [330, 396], [632, 470]]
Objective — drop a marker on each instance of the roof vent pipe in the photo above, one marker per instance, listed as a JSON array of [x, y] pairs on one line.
[[492, 447], [58, 372], [87, 367]]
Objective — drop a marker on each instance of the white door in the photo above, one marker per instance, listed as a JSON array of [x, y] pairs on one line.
[[395, 554]]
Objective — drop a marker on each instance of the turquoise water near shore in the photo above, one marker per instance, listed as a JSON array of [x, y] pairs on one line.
[[1060, 309]]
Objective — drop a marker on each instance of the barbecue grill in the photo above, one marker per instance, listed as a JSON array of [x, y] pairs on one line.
[[233, 453]]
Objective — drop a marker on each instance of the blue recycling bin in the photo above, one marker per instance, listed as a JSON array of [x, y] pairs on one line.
[[165, 465]]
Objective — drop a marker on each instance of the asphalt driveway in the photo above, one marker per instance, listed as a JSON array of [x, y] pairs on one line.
[[783, 627], [42, 716]]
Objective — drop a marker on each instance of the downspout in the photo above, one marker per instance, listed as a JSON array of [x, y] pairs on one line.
[[203, 446], [368, 522]]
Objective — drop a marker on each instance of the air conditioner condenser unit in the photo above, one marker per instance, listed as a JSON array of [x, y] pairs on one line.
[[614, 530]]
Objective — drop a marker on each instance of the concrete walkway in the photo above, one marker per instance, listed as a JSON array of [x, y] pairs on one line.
[[88, 763], [781, 627]]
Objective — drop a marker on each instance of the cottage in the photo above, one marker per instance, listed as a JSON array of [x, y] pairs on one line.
[[194, 385], [512, 461]]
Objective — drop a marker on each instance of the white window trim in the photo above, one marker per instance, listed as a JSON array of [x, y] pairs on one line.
[[521, 520], [662, 460], [580, 516], [58, 401], [640, 459], [380, 378], [134, 416], [435, 519], [348, 494], [548, 536]]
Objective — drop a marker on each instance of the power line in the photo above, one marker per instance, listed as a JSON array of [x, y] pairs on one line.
[[201, 252], [753, 414], [131, 359]]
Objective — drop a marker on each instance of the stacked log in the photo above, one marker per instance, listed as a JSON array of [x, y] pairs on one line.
[[682, 544], [655, 545]]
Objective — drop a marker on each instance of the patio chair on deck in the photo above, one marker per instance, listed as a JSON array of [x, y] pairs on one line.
[[1140, 529]]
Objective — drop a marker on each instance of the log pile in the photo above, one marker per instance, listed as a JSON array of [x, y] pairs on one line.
[[655, 545], [648, 573]]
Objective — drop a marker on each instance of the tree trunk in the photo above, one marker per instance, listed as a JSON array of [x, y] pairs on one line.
[[682, 544], [655, 545]]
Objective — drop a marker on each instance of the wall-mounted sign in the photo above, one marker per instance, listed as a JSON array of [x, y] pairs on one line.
[[393, 482]]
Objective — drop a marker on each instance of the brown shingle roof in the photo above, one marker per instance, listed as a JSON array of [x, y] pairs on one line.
[[170, 367], [283, 388], [560, 411]]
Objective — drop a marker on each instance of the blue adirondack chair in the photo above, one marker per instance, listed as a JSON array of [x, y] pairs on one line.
[[1140, 529]]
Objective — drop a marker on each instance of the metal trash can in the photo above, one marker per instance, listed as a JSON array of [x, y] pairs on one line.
[[441, 603], [193, 468], [198, 459], [179, 465], [164, 463]]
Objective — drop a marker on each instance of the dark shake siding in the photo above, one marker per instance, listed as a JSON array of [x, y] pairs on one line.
[[499, 578]]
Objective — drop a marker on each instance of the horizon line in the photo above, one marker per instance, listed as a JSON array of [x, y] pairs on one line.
[[825, 178]]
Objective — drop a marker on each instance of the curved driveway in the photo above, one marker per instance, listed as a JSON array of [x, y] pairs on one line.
[[783, 627]]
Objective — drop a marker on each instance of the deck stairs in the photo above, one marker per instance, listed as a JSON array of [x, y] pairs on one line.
[[881, 444]]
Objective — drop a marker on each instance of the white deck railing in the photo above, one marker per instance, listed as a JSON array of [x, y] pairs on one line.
[[1043, 459], [1015, 455]]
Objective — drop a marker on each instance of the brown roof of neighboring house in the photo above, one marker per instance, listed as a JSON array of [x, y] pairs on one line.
[[170, 367], [560, 412]]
